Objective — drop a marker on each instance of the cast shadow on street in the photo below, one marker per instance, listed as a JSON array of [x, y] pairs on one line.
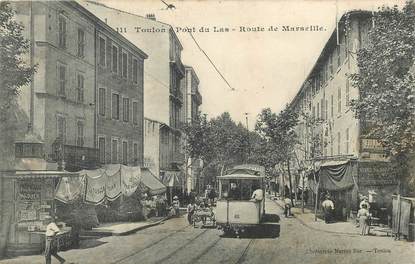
[[269, 228], [272, 218], [90, 243]]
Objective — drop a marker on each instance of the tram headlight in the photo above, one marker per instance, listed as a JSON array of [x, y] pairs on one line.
[[225, 195]]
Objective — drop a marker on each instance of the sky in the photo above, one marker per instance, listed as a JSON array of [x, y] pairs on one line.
[[264, 68]]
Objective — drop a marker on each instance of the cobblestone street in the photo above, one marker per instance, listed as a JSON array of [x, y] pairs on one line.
[[288, 241]]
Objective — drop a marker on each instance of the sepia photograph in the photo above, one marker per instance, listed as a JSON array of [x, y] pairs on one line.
[[207, 131]]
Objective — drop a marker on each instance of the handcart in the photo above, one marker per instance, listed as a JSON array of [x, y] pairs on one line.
[[204, 215]]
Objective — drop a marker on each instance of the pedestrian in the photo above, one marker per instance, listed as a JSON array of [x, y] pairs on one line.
[[190, 212], [258, 194], [51, 246], [287, 206], [328, 207], [176, 205], [364, 201], [212, 196], [363, 216]]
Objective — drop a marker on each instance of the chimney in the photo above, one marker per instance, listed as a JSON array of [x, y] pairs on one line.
[[151, 16]]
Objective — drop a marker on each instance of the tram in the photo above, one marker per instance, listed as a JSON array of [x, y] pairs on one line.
[[236, 209]]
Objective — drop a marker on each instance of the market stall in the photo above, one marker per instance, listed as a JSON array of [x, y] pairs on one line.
[[27, 198]]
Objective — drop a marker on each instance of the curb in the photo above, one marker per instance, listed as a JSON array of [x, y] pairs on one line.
[[110, 233], [142, 227], [316, 229]]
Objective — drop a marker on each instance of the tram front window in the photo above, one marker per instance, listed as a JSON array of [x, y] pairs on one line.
[[238, 189]]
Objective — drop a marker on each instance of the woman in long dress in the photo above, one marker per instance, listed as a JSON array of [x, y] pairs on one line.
[[363, 216]]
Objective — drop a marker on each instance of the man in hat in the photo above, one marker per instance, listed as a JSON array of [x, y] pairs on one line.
[[51, 247], [364, 201]]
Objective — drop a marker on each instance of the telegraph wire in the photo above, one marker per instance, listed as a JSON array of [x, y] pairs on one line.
[[211, 62]]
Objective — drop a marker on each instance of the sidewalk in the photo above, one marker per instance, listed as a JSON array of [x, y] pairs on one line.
[[122, 228], [307, 219]]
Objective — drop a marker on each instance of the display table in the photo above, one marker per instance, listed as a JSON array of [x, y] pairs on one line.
[[64, 238]]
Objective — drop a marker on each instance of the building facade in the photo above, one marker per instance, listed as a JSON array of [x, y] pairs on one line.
[[192, 103], [330, 136], [163, 99], [119, 98], [59, 102], [152, 146]]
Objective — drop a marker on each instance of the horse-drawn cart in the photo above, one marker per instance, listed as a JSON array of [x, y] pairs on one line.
[[204, 215]]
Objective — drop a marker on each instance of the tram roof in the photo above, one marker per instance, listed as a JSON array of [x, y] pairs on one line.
[[239, 176]]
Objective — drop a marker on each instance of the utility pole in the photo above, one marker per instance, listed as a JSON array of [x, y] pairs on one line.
[[247, 135]]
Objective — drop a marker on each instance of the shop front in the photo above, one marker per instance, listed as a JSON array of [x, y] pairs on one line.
[[349, 181], [173, 181], [378, 182], [339, 180], [27, 198]]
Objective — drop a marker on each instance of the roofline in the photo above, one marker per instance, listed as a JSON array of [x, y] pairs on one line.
[[104, 26], [325, 50], [152, 120], [122, 11], [193, 72]]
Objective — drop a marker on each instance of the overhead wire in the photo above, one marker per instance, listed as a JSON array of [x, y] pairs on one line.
[[211, 62]]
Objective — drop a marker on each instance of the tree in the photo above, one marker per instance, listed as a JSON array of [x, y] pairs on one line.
[[14, 74], [279, 133], [219, 142], [385, 80]]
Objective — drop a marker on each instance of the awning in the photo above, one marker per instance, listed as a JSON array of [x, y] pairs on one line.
[[337, 175], [240, 176], [38, 174], [331, 163], [172, 178], [68, 189], [150, 181]]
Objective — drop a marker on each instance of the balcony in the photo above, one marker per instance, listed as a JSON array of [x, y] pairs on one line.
[[75, 157], [178, 66], [177, 95], [178, 158], [198, 97]]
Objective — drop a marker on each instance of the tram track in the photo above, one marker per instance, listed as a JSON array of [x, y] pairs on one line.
[[182, 246], [242, 257], [206, 250], [149, 246]]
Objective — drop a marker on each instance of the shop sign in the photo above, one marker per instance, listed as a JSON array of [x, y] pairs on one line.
[[376, 174], [371, 145], [29, 191], [43, 215], [27, 215], [95, 189], [113, 186], [130, 177]]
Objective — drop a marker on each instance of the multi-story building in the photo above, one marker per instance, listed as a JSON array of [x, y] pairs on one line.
[[59, 101], [119, 97], [330, 136], [152, 145], [192, 102], [164, 71]]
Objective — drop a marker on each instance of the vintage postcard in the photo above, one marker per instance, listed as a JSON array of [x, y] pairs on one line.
[[207, 131]]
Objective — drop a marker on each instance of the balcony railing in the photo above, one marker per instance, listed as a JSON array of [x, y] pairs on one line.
[[198, 97], [177, 94], [177, 63]]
